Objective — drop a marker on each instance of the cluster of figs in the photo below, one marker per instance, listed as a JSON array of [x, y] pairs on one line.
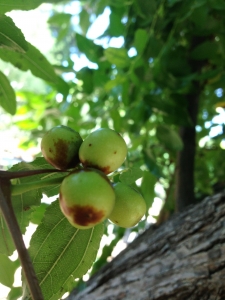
[[87, 196]]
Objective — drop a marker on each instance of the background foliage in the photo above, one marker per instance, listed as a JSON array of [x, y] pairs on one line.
[[165, 52]]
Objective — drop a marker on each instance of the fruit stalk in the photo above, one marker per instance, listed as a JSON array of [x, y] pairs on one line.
[[10, 218]]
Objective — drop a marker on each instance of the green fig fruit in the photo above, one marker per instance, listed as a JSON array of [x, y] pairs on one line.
[[86, 198], [129, 207], [60, 147], [103, 149]]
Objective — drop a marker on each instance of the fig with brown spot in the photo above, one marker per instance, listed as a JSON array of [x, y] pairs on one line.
[[103, 149], [60, 147], [86, 198]]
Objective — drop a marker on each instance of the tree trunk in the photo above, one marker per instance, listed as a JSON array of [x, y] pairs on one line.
[[184, 258], [184, 193]]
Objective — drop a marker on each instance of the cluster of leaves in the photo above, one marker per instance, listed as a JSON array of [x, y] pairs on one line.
[[173, 50]]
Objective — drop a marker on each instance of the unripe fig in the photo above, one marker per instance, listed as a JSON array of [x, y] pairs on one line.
[[103, 149], [60, 147], [86, 198], [129, 207]]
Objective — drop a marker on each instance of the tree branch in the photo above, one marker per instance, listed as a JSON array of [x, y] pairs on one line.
[[10, 218]]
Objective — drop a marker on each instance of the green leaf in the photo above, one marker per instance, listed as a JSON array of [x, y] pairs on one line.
[[118, 80], [217, 4], [61, 253], [11, 36], [8, 5], [86, 75], [117, 121], [140, 40], [32, 60], [206, 50], [148, 188], [146, 9], [116, 27], [169, 138], [84, 20], [38, 214], [7, 95], [15, 293], [8, 269], [59, 19], [89, 48], [131, 175], [117, 56], [154, 47], [151, 163]]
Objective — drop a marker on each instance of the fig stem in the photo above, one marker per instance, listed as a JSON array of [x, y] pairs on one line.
[[18, 189]]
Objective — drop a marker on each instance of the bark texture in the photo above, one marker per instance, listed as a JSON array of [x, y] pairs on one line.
[[182, 259]]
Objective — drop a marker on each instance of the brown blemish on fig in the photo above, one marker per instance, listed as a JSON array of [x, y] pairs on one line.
[[90, 145], [61, 160], [115, 152], [88, 164], [85, 215]]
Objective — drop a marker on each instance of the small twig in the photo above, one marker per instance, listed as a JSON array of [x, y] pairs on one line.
[[10, 218]]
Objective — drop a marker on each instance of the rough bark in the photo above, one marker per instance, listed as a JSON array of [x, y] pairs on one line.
[[182, 259]]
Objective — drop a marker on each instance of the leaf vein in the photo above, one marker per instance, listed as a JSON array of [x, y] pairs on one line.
[[18, 46]]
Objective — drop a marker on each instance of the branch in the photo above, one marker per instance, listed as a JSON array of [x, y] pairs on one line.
[[10, 218]]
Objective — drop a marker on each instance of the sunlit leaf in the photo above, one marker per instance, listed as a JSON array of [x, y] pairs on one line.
[[89, 48], [84, 20], [8, 269], [115, 82], [57, 246], [7, 95], [8, 5], [131, 175], [116, 27], [38, 213], [15, 293], [59, 19], [11, 36], [140, 40], [148, 188], [117, 56], [116, 119], [32, 60]]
